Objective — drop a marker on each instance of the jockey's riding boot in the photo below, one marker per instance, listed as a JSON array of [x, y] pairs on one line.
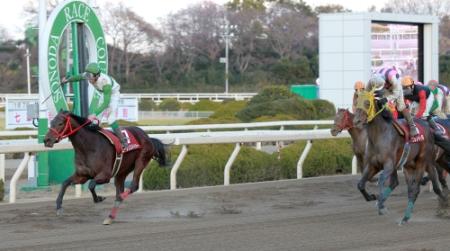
[[412, 126], [121, 137], [433, 125]]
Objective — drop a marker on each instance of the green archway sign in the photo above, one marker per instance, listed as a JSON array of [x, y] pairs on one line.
[[67, 14]]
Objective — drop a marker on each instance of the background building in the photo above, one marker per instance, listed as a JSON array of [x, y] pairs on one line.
[[354, 45]]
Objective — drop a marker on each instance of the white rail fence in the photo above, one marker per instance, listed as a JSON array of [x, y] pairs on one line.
[[209, 127], [159, 97], [30, 147]]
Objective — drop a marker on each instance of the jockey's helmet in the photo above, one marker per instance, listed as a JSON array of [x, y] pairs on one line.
[[359, 85], [376, 82], [433, 83], [93, 68], [407, 81]]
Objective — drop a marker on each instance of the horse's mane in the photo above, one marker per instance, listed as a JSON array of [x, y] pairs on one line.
[[81, 120], [386, 113]]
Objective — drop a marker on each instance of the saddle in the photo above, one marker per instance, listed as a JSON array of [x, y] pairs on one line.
[[133, 144], [442, 129], [402, 128]]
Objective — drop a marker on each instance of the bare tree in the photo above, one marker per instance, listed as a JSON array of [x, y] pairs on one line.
[[249, 28], [192, 33], [130, 32], [290, 30], [30, 10], [425, 7], [4, 35]]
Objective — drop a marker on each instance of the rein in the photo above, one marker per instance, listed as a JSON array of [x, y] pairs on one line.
[[68, 130]]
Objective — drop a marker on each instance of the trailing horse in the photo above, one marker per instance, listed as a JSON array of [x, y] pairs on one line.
[[97, 159], [388, 150], [344, 121]]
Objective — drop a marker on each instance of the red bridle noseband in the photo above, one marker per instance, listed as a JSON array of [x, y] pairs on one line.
[[346, 122], [67, 130]]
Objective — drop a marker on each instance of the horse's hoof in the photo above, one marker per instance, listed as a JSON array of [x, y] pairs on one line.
[[424, 181], [99, 199], [108, 221], [443, 203], [59, 212], [382, 211], [442, 213], [403, 221], [373, 197]]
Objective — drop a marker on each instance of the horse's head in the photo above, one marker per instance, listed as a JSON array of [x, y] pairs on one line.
[[366, 108], [58, 127], [342, 121]]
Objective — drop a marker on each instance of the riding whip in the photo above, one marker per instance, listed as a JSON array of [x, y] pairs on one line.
[[51, 94]]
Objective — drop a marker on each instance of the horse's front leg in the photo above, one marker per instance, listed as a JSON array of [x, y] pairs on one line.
[[92, 185], [119, 182], [413, 178], [74, 179], [389, 175], [368, 173]]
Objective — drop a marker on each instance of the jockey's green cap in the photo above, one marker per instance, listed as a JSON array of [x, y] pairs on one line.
[[93, 68]]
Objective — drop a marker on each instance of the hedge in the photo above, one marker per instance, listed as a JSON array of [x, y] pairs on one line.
[[204, 164], [205, 105], [169, 105], [297, 107], [327, 157]]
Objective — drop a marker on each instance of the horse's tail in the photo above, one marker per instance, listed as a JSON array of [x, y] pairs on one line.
[[161, 153]]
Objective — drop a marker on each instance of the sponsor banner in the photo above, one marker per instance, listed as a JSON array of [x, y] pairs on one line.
[[18, 116]]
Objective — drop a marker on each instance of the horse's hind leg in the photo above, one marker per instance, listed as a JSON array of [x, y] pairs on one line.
[[119, 182], [74, 179], [140, 165], [443, 196], [95, 197]]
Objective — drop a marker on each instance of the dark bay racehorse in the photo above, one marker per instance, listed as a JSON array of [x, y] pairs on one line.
[[95, 156], [344, 121], [384, 152], [443, 154]]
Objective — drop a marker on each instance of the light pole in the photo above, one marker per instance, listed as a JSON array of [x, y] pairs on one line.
[[27, 55], [226, 35]]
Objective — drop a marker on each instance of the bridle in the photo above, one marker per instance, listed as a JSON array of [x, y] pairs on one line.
[[346, 122], [67, 129]]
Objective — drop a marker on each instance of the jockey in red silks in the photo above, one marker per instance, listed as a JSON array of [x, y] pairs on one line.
[[418, 94], [387, 81], [423, 97]]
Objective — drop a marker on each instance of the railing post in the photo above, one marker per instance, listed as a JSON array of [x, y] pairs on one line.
[[303, 157], [354, 165], [16, 176], [78, 190], [226, 171], [2, 167], [173, 172]]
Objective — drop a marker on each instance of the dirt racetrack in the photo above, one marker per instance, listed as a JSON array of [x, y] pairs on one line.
[[326, 213]]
